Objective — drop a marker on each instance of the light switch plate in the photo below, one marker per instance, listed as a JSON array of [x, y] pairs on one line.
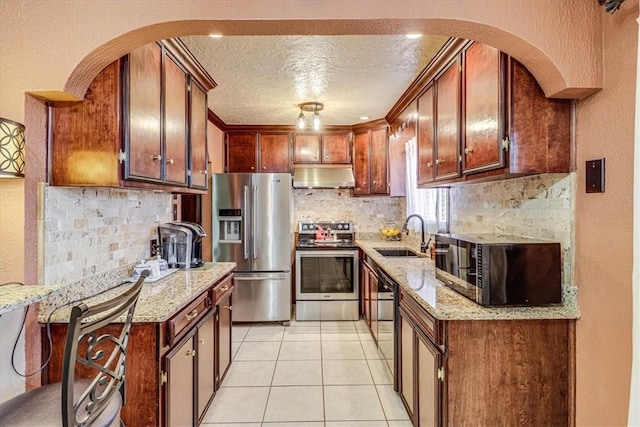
[[595, 176]]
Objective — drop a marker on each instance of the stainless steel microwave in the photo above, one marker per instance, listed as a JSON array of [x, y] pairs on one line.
[[495, 270]]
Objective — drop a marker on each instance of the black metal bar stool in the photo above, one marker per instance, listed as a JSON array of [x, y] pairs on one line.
[[95, 401]]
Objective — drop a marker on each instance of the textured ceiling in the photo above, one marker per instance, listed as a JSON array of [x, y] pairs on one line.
[[262, 79]]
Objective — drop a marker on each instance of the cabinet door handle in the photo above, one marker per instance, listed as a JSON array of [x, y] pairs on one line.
[[192, 315], [202, 172], [157, 157], [202, 341], [228, 307], [191, 353], [429, 165], [264, 168], [468, 150], [224, 288], [438, 162], [170, 161], [252, 167]]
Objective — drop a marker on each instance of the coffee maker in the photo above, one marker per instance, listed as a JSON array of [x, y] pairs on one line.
[[181, 244]]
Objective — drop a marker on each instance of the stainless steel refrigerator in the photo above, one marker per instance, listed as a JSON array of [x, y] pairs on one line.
[[252, 226]]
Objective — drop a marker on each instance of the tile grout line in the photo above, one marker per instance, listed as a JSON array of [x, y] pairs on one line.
[[374, 383], [324, 405], [264, 413], [323, 384]]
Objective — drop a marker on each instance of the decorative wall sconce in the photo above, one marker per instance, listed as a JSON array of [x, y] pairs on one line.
[[11, 149], [315, 108]]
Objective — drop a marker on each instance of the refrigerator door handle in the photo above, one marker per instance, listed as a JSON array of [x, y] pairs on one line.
[[246, 229], [254, 220], [239, 278]]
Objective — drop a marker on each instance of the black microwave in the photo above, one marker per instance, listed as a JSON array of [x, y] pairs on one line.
[[495, 270]]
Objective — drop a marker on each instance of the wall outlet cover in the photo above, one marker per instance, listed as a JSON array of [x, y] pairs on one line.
[[595, 176]]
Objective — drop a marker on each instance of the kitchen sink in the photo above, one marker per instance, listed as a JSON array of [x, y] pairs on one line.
[[396, 252]]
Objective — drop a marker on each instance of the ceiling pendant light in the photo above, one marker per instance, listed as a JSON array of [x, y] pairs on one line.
[[311, 107], [302, 122]]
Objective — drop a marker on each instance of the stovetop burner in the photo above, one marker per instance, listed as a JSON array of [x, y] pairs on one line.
[[336, 234]]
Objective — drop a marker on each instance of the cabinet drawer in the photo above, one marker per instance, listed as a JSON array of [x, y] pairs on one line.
[[182, 322], [427, 324], [222, 289]]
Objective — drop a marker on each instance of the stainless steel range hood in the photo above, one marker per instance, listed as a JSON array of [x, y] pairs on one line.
[[329, 177]]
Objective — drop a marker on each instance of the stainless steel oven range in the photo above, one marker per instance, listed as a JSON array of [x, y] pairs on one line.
[[327, 280]]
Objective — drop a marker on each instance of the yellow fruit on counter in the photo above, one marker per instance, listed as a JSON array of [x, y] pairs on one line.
[[390, 231]]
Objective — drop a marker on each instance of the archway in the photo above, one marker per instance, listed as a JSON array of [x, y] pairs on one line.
[[551, 77]]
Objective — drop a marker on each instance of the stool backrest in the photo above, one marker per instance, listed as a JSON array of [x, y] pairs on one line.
[[103, 351]]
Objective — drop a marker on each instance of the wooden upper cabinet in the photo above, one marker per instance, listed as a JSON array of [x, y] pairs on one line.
[[137, 126], [540, 127], [274, 153], [143, 139], [241, 152], [198, 137], [80, 155], [175, 122], [307, 148], [328, 148], [371, 162], [448, 122], [335, 148], [484, 108], [379, 162], [361, 156], [426, 136]]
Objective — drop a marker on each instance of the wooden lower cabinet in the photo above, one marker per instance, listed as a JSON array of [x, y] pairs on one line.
[[190, 372], [173, 367], [407, 365], [223, 328], [179, 390], [206, 367], [428, 369], [484, 372], [370, 297]]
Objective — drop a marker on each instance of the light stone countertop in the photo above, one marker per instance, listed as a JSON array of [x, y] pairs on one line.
[[13, 297], [158, 301], [417, 277]]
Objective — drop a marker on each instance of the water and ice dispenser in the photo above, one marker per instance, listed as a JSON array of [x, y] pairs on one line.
[[230, 223]]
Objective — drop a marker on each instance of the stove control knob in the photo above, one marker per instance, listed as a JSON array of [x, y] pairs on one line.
[[339, 226], [346, 226]]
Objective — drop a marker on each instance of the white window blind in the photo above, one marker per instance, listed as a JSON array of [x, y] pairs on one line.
[[419, 201]]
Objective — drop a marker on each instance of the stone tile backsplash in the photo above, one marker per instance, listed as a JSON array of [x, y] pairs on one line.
[[89, 231], [538, 206], [369, 214]]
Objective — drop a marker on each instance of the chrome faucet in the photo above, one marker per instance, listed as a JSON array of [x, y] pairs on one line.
[[423, 244]]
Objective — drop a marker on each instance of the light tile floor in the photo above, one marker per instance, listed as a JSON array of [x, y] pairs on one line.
[[315, 374]]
